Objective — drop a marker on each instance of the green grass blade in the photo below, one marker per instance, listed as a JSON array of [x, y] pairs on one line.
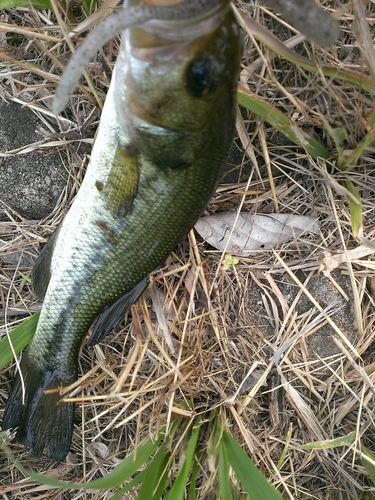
[[277, 119], [368, 462], [165, 479], [177, 491], [20, 337], [216, 436], [353, 158], [129, 466], [90, 6], [285, 450], [193, 479], [225, 491], [119, 495], [125, 470], [338, 135], [371, 120], [38, 4], [154, 471], [250, 476], [330, 443]]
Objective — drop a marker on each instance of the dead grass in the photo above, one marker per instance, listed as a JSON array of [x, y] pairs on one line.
[[304, 312]]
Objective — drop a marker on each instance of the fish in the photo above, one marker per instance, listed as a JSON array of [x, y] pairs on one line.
[[166, 128]]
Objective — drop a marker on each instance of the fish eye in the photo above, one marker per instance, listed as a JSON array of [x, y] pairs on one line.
[[201, 76]]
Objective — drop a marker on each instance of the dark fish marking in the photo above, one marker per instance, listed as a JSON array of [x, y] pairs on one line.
[[99, 185], [172, 164], [108, 233]]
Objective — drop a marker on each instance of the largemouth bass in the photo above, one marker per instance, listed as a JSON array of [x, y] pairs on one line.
[[166, 129]]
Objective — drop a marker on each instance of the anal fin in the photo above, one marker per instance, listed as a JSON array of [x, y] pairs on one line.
[[113, 314]]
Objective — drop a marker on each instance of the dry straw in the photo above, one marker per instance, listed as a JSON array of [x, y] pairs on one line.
[[303, 313]]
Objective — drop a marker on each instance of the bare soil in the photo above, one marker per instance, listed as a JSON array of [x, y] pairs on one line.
[[30, 182]]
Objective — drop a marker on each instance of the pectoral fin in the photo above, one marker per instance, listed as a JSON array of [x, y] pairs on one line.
[[112, 315], [122, 184]]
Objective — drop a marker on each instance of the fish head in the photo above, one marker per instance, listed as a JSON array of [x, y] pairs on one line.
[[176, 84]]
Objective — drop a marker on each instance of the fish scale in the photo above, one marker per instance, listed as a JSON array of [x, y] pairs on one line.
[[165, 132]]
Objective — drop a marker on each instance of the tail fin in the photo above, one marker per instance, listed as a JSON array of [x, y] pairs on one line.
[[43, 421]]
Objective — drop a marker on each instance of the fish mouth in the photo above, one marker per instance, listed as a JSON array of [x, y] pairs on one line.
[[187, 29], [141, 127], [179, 30], [152, 128]]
